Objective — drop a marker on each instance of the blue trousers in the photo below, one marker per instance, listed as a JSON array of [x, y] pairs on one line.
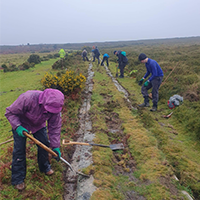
[[121, 67], [19, 155], [154, 84], [97, 59], [105, 59]]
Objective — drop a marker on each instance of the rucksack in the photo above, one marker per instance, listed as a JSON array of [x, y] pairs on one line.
[[123, 53]]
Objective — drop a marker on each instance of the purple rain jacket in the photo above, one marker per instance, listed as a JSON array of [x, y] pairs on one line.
[[33, 108]]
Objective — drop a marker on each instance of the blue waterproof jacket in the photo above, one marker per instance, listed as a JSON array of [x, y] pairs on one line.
[[153, 68], [106, 55]]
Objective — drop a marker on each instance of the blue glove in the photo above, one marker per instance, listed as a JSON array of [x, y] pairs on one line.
[[141, 81], [57, 151], [146, 83], [20, 130]]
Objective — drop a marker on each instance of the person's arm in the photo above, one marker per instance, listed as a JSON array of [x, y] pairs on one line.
[[147, 74], [19, 107], [54, 129]]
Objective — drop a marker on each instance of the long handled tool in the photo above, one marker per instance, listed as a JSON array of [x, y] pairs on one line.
[[51, 152], [112, 146]]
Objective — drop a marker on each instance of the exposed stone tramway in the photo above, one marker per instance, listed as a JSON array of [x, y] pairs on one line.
[[79, 187]]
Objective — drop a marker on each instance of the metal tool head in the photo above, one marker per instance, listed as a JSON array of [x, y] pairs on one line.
[[116, 146]]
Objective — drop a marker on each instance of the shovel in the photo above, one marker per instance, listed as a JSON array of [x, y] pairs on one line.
[[51, 152], [112, 146]]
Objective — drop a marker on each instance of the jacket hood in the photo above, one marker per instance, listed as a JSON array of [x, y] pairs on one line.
[[52, 100]]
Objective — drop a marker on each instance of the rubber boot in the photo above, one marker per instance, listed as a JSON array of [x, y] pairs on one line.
[[146, 102], [154, 108]]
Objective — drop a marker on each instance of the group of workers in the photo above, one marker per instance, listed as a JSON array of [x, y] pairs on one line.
[[34, 108]]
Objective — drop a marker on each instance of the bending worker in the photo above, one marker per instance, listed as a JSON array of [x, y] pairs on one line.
[[96, 53], [105, 58], [84, 55], [28, 113], [153, 82], [122, 60]]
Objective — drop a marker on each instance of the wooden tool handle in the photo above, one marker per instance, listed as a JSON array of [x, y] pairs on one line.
[[40, 144], [67, 142]]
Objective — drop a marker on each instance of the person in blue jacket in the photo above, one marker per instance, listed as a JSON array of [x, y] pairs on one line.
[[105, 58], [122, 61], [96, 53], [153, 82]]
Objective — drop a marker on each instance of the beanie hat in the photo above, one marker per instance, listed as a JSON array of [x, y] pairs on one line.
[[142, 56], [114, 52]]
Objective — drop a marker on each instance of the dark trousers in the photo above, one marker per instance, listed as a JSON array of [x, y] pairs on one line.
[[19, 156], [97, 59], [154, 84], [85, 57], [104, 59], [121, 67]]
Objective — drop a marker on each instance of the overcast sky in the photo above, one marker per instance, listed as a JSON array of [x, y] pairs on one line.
[[75, 21]]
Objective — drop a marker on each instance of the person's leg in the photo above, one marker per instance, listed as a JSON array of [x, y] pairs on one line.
[[87, 58], [19, 159], [107, 62], [144, 91], [43, 159], [102, 61], [93, 59], [98, 60], [122, 66], [156, 82]]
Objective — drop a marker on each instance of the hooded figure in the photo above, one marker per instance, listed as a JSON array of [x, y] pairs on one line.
[[84, 55], [29, 113]]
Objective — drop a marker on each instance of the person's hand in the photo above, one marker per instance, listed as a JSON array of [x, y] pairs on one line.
[[146, 83], [20, 130], [141, 81], [57, 151]]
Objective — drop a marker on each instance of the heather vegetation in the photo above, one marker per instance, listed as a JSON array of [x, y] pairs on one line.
[[156, 148]]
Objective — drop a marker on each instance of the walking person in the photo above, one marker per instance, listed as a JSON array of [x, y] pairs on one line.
[[96, 53], [105, 58], [153, 82], [84, 55], [29, 113], [122, 61]]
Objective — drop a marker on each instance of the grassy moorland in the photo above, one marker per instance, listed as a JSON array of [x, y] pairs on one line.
[[156, 148]]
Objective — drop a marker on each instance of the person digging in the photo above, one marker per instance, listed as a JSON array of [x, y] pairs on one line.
[[153, 82], [29, 113]]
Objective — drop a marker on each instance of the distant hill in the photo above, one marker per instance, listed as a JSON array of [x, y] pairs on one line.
[[6, 49]]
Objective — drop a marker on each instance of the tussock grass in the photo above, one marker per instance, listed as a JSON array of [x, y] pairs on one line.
[[143, 146]]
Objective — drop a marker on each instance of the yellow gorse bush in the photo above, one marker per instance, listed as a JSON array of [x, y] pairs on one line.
[[66, 83]]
